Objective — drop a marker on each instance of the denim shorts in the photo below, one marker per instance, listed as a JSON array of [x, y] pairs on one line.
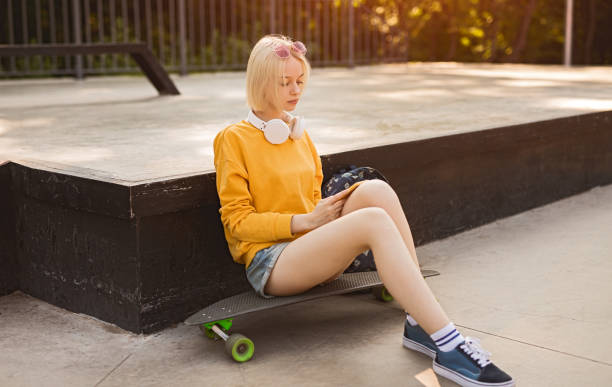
[[261, 266]]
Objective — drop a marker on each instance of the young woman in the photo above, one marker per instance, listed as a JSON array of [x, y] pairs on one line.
[[290, 239]]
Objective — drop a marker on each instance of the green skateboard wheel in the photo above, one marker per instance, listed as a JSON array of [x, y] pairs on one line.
[[239, 347], [381, 293]]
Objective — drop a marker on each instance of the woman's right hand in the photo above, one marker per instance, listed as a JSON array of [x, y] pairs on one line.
[[328, 209]]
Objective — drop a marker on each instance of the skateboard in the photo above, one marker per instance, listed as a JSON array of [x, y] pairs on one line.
[[215, 320]]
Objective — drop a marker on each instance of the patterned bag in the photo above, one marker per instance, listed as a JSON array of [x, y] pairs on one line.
[[341, 180]]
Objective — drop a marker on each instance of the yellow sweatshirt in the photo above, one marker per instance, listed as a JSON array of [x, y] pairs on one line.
[[262, 185]]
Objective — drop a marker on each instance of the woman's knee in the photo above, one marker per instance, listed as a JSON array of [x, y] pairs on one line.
[[373, 193]]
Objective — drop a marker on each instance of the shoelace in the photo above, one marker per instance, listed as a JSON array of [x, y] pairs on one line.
[[472, 347]]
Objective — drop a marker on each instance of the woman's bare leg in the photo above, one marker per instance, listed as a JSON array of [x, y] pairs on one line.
[[312, 258], [378, 193]]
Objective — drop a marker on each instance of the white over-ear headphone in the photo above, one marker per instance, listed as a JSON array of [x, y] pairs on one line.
[[276, 130]]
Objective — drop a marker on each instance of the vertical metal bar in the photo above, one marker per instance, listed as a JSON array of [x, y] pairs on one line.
[[294, 15], [344, 33], [87, 15], [53, 31], [182, 38], [279, 20], [264, 15], [214, 34], [394, 47], [125, 17], [11, 33], [569, 16], [262, 11], [101, 33], [272, 16], [202, 26], [39, 33], [365, 37], [328, 31], [38, 22], [336, 27], [245, 38], [253, 16], [233, 29], [323, 33], [149, 24], [76, 26], [160, 32], [325, 23], [191, 33], [380, 41], [376, 42], [223, 18], [318, 29], [368, 40], [290, 14], [112, 15], [389, 49], [137, 26], [390, 46], [359, 40], [24, 34], [66, 33], [299, 20], [172, 33], [308, 17], [351, 34]]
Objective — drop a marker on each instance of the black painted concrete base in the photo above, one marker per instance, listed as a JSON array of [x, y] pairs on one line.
[[146, 255], [9, 276]]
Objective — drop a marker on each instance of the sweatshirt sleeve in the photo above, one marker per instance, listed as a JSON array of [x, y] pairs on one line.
[[318, 170], [237, 212]]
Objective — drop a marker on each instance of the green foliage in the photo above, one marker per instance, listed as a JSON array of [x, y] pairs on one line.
[[489, 30]]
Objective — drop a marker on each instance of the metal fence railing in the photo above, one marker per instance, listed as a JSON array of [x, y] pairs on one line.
[[195, 35]]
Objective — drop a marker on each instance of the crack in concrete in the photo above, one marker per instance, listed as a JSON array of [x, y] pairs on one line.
[[538, 346], [113, 370]]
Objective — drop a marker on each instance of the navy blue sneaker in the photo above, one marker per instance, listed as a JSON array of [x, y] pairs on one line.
[[417, 339], [468, 365]]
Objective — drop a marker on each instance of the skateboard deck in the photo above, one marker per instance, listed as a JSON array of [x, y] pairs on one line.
[[249, 302], [216, 320]]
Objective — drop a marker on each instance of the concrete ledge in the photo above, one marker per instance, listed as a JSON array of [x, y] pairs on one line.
[[146, 255], [453, 183]]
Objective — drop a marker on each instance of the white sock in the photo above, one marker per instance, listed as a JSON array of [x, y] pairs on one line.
[[447, 338], [411, 321]]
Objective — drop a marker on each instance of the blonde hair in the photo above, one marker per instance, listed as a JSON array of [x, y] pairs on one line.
[[264, 70]]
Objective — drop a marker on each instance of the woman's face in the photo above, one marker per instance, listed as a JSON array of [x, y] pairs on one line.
[[292, 85]]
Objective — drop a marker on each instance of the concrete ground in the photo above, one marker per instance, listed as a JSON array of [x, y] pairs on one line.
[[118, 128], [534, 287]]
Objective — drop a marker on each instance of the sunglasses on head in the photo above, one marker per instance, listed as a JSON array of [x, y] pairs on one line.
[[282, 51]]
